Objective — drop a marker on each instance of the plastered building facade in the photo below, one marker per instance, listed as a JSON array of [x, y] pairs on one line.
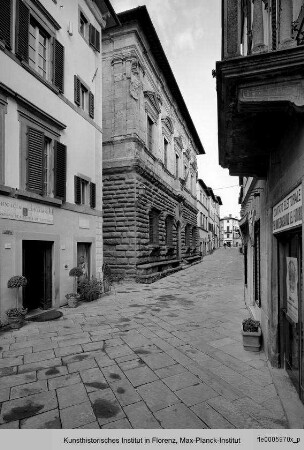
[[50, 146]]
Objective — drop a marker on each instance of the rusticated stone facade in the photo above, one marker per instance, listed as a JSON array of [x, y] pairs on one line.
[[149, 157]]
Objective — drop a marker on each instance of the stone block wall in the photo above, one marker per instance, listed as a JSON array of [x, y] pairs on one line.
[[128, 198], [119, 223]]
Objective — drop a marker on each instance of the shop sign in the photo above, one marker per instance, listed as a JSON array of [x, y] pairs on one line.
[[28, 212], [292, 288], [287, 213]]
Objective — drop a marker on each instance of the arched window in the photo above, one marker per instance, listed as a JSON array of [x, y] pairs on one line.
[[153, 226], [169, 230], [188, 235]]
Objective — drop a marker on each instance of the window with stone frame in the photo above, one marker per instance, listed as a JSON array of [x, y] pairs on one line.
[[90, 34], [176, 165], [166, 145], [83, 97], [150, 130], [193, 237], [169, 230], [44, 160], [188, 235], [35, 40], [154, 227], [85, 191]]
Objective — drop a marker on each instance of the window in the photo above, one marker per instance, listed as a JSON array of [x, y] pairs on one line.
[[83, 97], [5, 22], [39, 49], [188, 235], [153, 226], [89, 33], [169, 230], [150, 125], [45, 164], [191, 185], [202, 219], [36, 45], [83, 25], [85, 192], [166, 143], [176, 165], [228, 229], [193, 237]]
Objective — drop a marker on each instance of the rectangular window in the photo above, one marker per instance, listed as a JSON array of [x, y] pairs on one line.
[[166, 152], [153, 227], [37, 46], [150, 124], [85, 192], [176, 165], [83, 25], [202, 219], [83, 97], [45, 164]]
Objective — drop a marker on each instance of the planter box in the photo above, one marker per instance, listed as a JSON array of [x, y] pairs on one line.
[[252, 340]]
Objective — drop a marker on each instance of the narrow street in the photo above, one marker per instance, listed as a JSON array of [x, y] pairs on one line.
[[166, 355]]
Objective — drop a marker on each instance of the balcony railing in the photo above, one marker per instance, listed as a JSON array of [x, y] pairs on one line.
[[258, 26]]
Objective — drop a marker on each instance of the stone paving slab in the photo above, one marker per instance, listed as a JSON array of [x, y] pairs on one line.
[[168, 355]]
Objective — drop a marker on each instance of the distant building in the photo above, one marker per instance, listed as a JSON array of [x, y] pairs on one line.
[[50, 145], [150, 146], [208, 218], [230, 232]]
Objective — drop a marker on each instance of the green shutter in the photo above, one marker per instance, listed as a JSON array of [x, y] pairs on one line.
[[60, 153], [5, 22], [35, 163], [76, 90], [77, 187], [58, 65], [22, 30], [92, 195]]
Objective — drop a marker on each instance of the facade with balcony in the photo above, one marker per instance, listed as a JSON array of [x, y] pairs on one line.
[[50, 145], [150, 146], [261, 136]]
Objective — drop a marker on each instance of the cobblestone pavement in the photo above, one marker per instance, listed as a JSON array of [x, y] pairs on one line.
[[166, 355]]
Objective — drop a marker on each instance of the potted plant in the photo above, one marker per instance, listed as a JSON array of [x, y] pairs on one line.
[[251, 335], [73, 297], [16, 315]]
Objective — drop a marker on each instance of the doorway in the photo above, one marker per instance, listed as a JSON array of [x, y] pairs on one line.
[[37, 269], [291, 307]]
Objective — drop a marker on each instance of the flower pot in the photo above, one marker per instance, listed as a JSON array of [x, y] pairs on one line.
[[15, 322], [252, 340], [73, 301]]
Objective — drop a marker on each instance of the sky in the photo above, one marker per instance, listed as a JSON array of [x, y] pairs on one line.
[[190, 33]]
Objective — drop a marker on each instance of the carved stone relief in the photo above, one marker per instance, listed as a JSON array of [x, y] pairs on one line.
[[292, 91]]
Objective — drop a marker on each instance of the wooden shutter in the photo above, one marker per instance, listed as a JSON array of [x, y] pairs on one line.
[[94, 38], [60, 154], [5, 22], [58, 65], [22, 30], [274, 22], [76, 90], [77, 186], [92, 195], [35, 157], [91, 105]]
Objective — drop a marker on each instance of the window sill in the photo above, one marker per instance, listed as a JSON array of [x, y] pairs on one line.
[[27, 195]]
